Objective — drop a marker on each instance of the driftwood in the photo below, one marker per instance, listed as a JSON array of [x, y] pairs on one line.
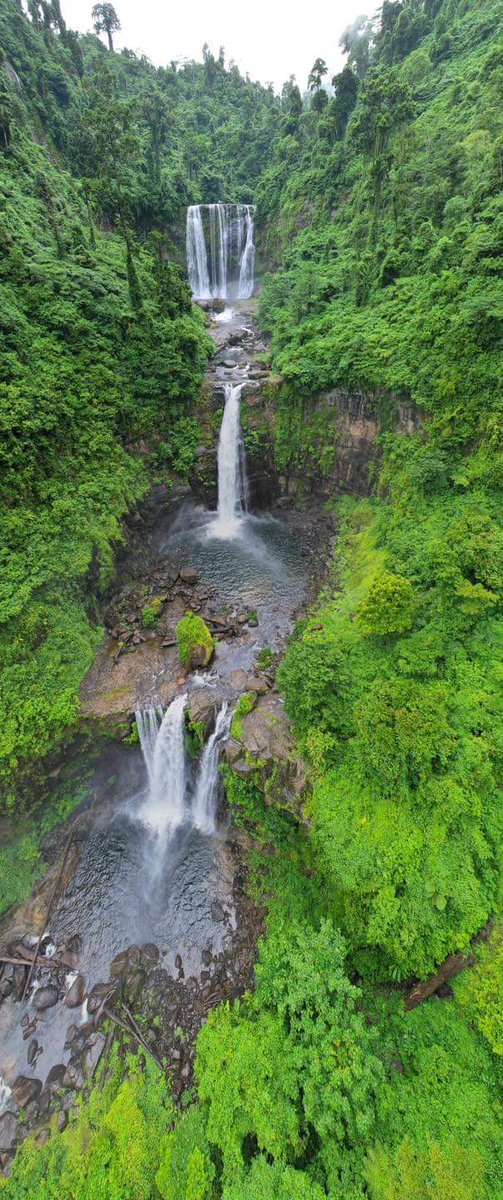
[[452, 966], [27, 962]]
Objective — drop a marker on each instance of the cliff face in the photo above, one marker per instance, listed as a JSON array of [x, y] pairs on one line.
[[326, 447]]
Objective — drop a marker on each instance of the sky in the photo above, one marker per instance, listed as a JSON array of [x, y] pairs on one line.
[[268, 39]]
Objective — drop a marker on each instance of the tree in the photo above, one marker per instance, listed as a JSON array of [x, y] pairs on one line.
[[106, 21]]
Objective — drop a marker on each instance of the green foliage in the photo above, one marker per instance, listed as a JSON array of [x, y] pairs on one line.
[[388, 606], [245, 705], [481, 991], [110, 1149], [151, 612], [186, 1171], [195, 642]]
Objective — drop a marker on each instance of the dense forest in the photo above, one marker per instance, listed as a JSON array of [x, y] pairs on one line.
[[380, 240]]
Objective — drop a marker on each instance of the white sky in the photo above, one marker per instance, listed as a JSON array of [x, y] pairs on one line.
[[269, 39]]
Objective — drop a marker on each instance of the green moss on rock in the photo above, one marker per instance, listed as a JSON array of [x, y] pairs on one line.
[[195, 642]]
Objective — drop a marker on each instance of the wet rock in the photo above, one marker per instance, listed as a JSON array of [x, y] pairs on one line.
[[178, 962], [25, 1021], [238, 680], [45, 997], [73, 1035], [33, 1051], [6, 981], [19, 980], [189, 575], [207, 956], [149, 953], [55, 1078], [217, 912], [75, 994], [61, 1121], [123, 962], [29, 1030], [201, 706], [258, 684], [25, 1089], [8, 1130], [74, 1077], [92, 1054], [99, 994]]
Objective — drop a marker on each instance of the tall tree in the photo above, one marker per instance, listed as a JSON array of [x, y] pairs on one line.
[[106, 21]]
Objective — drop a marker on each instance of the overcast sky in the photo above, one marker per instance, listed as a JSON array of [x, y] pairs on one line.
[[268, 39]]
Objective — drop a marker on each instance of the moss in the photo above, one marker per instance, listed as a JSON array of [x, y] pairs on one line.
[[244, 706], [195, 642], [151, 612]]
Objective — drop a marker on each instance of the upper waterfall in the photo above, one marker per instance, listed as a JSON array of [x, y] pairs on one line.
[[221, 251]]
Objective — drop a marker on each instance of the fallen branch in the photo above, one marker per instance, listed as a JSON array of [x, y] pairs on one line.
[[132, 1033]]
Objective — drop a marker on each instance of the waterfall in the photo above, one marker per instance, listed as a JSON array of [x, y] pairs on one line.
[[231, 466], [206, 793], [221, 251], [163, 743]]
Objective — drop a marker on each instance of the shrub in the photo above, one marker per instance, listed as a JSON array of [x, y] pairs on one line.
[[195, 642]]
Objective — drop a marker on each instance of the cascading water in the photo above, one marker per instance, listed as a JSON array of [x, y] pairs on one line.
[[221, 251], [206, 793], [162, 740], [232, 485]]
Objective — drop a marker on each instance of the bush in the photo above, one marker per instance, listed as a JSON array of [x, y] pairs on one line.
[[195, 642], [389, 605]]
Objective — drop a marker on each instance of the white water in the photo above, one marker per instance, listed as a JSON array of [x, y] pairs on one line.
[[232, 485], [206, 793], [163, 743], [220, 251], [5, 1094]]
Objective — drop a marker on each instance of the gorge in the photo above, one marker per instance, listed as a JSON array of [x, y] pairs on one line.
[[250, 613]]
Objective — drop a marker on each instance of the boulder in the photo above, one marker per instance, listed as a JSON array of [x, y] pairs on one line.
[[189, 575], [74, 1077], [25, 1089], [201, 707], [75, 994], [92, 1053], [45, 997], [55, 1078], [262, 745], [8, 1129]]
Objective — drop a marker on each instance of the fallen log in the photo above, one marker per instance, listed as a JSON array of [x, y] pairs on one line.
[[28, 962], [452, 966]]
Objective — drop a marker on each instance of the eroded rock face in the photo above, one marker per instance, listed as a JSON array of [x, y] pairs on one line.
[[266, 748]]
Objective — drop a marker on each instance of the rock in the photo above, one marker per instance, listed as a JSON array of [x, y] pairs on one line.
[[207, 956], [237, 679], [8, 1130], [74, 1076], [61, 1121], [258, 684], [178, 962], [55, 1078], [6, 981], [101, 992], [25, 1089], [92, 1054], [75, 994], [73, 1035], [45, 997], [123, 962], [217, 912], [189, 575], [149, 953], [19, 980], [201, 707], [252, 618], [33, 1051], [42, 1137]]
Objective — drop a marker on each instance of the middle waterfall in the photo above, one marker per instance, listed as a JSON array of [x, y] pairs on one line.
[[220, 251], [162, 740], [232, 486]]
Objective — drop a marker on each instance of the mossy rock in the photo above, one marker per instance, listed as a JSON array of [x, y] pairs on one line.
[[195, 643]]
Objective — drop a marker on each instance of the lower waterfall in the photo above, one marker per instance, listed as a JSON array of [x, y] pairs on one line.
[[206, 793], [162, 741]]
